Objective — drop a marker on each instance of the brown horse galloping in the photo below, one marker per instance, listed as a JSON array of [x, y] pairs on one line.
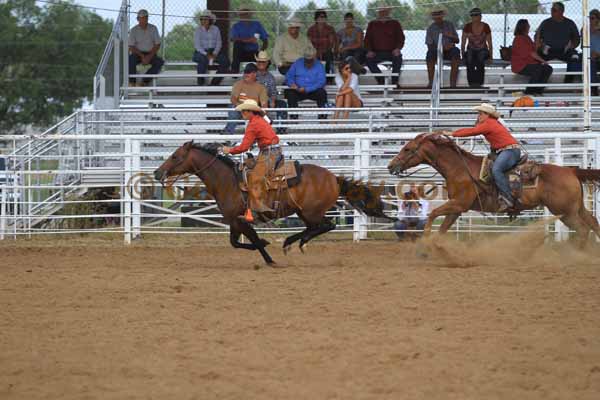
[[558, 188], [316, 193]]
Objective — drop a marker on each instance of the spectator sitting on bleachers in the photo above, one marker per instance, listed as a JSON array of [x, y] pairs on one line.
[[557, 38], [207, 47], [384, 41], [449, 40], [244, 89], [289, 46], [324, 40], [306, 79], [594, 49], [350, 39], [245, 35], [264, 77], [144, 42], [526, 61], [348, 94], [477, 39]]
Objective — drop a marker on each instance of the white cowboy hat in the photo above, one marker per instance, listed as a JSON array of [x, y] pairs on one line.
[[382, 5], [249, 105], [209, 14], [262, 56], [309, 52], [438, 11], [488, 109], [294, 23]]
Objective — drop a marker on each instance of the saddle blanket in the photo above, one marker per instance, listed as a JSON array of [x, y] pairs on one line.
[[523, 176]]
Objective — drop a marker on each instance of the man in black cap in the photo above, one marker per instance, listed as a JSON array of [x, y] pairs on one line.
[[244, 89]]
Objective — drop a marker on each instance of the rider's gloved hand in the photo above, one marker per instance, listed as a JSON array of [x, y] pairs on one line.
[[225, 149]]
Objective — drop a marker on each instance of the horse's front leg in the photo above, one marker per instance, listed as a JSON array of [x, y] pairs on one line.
[[451, 209]]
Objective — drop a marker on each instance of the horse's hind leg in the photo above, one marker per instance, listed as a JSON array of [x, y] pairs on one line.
[[292, 239], [324, 226], [575, 222], [590, 220]]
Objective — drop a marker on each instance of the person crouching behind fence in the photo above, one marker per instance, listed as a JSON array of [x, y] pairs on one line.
[[412, 214], [261, 132]]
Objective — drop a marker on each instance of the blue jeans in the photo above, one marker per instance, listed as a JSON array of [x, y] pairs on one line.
[[156, 64], [385, 56], [202, 66], [506, 160], [406, 224], [231, 125]]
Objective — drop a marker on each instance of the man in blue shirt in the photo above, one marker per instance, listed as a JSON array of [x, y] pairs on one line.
[[245, 35], [306, 79]]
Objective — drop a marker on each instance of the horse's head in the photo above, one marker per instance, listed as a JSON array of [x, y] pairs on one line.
[[413, 153], [177, 164]]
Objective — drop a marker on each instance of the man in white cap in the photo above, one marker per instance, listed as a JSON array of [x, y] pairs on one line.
[[207, 47], [144, 42], [306, 79], [289, 46], [502, 143], [245, 35]]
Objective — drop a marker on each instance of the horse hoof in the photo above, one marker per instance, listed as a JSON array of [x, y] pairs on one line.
[[421, 251], [286, 249], [302, 247]]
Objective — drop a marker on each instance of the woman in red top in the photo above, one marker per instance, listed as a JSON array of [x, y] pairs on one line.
[[525, 60], [502, 143], [261, 132]]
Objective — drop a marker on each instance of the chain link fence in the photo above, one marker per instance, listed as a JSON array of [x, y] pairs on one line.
[[176, 18]]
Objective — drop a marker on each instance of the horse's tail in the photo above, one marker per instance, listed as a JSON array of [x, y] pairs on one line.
[[363, 197], [588, 175]]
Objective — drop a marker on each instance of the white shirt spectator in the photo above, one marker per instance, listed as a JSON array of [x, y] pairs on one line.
[[207, 39], [144, 39], [339, 81], [422, 211]]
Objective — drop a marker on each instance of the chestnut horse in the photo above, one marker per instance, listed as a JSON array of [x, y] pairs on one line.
[[310, 199], [558, 188]]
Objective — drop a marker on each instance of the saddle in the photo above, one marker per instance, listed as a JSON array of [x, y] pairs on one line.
[[286, 174], [523, 176]]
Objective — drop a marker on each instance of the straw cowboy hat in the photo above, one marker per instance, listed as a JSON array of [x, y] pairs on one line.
[[488, 109], [208, 14], [262, 56], [294, 23], [249, 105], [382, 5], [438, 11]]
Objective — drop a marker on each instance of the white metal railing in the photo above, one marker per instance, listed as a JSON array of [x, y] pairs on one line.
[[124, 157], [115, 49]]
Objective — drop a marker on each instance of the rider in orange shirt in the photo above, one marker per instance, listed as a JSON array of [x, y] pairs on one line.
[[261, 132], [502, 143]]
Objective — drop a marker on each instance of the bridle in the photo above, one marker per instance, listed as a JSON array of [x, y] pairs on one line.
[[195, 171], [413, 153]]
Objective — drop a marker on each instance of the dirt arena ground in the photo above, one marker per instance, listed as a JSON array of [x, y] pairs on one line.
[[504, 318]]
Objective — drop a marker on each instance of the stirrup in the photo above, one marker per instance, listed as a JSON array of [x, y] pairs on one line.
[[505, 204]]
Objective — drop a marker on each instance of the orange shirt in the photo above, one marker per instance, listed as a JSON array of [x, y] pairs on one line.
[[493, 131], [258, 130]]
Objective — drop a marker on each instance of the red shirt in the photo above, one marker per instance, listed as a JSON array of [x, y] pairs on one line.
[[493, 131], [258, 130], [322, 40], [384, 35], [522, 48]]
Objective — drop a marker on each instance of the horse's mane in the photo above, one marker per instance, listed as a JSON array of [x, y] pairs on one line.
[[213, 150], [444, 141]]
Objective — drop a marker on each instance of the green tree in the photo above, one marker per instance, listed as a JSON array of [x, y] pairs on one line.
[[47, 58]]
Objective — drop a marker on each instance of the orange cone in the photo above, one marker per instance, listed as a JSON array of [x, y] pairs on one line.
[[248, 216]]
